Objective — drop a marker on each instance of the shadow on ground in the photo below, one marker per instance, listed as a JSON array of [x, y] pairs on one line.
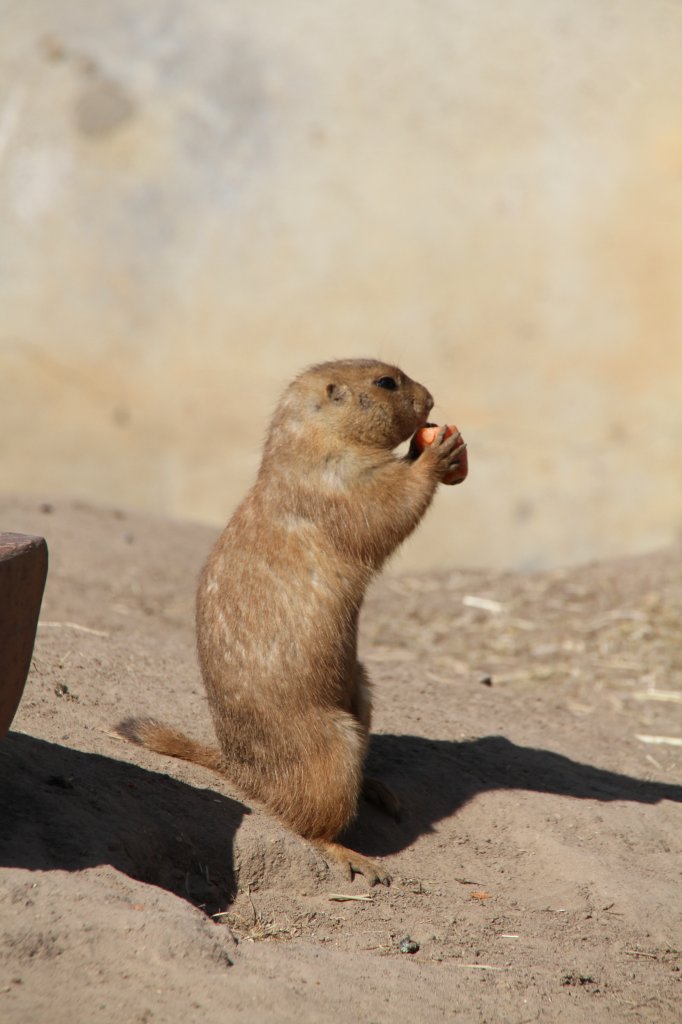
[[62, 808], [435, 778]]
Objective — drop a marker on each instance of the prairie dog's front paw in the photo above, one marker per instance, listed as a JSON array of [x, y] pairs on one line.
[[445, 447]]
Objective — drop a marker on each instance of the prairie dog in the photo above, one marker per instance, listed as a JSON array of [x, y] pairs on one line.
[[280, 594]]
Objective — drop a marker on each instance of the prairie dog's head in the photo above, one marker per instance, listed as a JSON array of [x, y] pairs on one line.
[[352, 402]]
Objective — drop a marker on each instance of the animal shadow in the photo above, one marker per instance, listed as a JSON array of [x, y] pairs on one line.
[[434, 778], [62, 808]]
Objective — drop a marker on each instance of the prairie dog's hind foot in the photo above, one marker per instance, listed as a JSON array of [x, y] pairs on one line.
[[382, 796], [354, 863]]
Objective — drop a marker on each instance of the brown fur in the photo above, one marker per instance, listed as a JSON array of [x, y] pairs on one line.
[[280, 595]]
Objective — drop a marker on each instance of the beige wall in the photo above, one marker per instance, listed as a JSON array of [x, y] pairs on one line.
[[198, 199]]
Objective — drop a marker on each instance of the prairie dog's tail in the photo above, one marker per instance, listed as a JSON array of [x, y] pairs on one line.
[[147, 732]]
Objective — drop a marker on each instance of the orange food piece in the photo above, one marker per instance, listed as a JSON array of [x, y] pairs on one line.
[[426, 435]]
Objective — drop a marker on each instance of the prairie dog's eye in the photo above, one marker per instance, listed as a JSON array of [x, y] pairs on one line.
[[386, 382]]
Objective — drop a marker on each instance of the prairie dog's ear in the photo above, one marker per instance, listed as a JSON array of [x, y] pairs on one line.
[[337, 392]]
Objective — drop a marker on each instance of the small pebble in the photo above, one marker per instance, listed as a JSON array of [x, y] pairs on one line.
[[408, 945], [60, 781]]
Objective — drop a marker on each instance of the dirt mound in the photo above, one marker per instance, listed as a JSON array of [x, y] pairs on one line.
[[528, 723]]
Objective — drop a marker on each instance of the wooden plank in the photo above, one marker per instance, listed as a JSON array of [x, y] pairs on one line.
[[23, 571]]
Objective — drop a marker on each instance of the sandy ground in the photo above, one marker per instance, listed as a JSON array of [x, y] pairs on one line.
[[537, 866]]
